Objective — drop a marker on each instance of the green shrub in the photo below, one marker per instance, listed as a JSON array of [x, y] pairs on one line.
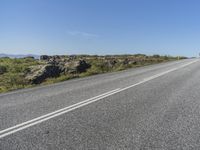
[[3, 69]]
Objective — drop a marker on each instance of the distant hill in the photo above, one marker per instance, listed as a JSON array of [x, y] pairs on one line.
[[18, 55]]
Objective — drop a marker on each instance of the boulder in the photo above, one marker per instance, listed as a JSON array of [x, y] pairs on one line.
[[56, 57], [125, 61], [53, 68], [75, 66], [37, 74], [132, 62], [110, 63], [29, 57], [45, 57]]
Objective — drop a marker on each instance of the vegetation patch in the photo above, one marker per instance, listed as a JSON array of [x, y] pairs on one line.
[[28, 72]]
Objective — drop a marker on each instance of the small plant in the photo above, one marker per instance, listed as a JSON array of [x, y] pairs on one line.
[[3, 69]]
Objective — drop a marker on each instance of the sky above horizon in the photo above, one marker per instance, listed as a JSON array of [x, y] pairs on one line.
[[166, 27]]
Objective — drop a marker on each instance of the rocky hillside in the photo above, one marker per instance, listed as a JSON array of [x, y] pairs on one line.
[[26, 72]]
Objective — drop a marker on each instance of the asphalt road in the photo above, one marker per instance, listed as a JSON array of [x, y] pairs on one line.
[[152, 107]]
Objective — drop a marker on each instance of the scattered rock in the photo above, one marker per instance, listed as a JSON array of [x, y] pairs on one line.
[[75, 66], [125, 61], [111, 63], [129, 62], [37, 74], [45, 57], [29, 57], [54, 66]]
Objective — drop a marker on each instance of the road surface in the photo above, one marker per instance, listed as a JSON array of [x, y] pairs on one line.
[[152, 107]]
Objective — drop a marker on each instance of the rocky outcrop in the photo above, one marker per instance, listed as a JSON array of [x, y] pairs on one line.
[[45, 57], [53, 67], [129, 61], [29, 57], [37, 74], [74, 66], [110, 63], [50, 58]]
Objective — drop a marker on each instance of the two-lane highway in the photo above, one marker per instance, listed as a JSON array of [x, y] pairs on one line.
[[152, 107]]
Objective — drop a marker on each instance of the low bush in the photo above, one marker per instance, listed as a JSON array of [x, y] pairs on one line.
[[3, 69]]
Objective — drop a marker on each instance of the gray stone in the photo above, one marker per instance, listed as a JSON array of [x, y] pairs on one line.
[[45, 57], [75, 66], [37, 74]]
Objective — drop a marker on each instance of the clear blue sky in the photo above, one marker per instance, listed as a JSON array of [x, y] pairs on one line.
[[100, 27]]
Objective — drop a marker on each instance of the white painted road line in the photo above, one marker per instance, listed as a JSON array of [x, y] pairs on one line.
[[157, 75], [29, 123], [59, 112]]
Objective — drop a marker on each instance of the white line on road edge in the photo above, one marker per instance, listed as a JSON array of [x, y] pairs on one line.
[[59, 112]]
